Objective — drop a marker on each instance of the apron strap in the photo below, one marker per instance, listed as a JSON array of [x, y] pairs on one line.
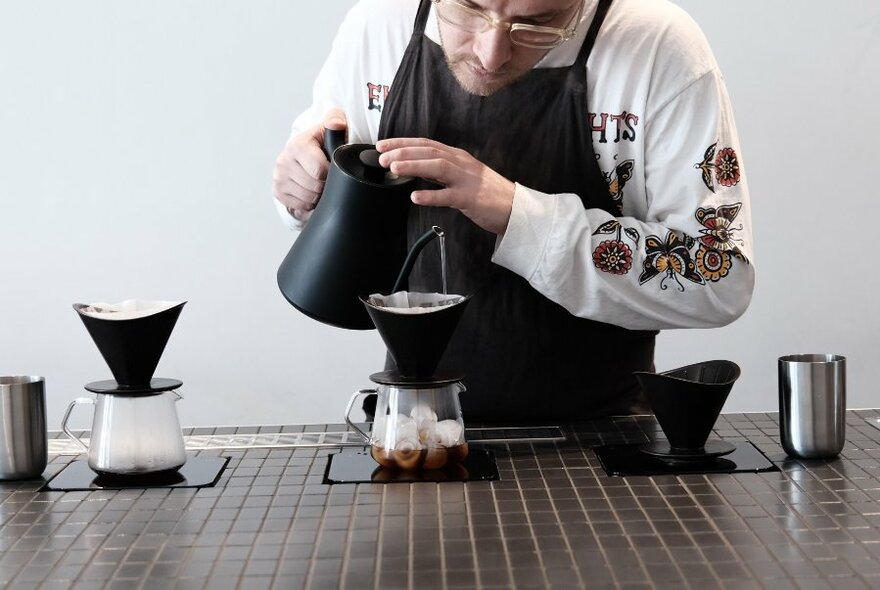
[[590, 39], [422, 16], [601, 198]]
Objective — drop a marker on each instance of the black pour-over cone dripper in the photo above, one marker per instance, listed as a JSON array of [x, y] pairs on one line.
[[687, 401], [131, 347], [416, 341]]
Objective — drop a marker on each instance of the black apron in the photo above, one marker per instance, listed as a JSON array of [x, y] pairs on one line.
[[524, 358]]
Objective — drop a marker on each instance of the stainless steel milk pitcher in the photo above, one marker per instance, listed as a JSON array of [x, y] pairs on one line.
[[132, 434], [23, 454], [812, 405]]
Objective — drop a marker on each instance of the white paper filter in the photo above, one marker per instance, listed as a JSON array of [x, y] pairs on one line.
[[127, 310], [414, 302]]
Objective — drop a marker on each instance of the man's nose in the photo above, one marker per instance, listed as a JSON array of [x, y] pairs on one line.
[[493, 48]]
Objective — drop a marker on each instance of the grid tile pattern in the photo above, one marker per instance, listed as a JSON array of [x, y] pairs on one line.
[[554, 520], [277, 437]]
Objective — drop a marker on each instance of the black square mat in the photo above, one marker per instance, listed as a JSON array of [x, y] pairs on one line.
[[197, 472], [360, 467], [630, 460]]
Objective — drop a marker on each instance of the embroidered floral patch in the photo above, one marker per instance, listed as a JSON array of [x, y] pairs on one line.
[[615, 256], [727, 167], [712, 264], [722, 167]]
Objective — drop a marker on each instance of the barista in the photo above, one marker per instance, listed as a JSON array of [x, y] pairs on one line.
[[592, 186]]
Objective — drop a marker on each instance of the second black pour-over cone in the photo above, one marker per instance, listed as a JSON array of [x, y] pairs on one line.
[[687, 401], [417, 341], [131, 347]]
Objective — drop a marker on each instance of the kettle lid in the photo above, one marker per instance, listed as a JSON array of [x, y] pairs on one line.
[[361, 162]]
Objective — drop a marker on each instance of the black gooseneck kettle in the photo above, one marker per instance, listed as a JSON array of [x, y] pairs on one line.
[[355, 241]]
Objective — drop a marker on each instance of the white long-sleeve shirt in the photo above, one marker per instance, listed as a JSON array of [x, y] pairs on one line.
[[680, 254]]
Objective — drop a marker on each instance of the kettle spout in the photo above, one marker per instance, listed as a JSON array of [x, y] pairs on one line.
[[417, 247]]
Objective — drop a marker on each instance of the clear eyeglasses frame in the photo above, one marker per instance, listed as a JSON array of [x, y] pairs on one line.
[[472, 20]]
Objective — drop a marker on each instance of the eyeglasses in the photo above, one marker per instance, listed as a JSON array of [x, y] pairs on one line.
[[472, 20]]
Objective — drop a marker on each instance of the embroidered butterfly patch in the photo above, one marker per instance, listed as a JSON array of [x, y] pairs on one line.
[[718, 243], [718, 230], [670, 257], [618, 178]]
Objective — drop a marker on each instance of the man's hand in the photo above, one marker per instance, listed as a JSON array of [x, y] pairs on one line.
[[470, 186], [301, 167]]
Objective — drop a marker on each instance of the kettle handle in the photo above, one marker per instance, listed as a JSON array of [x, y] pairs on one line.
[[348, 421], [66, 429], [333, 138]]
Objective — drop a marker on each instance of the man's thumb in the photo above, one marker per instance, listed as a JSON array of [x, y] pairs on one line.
[[335, 120]]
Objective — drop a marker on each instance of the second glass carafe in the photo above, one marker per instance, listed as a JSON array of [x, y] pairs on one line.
[[132, 434]]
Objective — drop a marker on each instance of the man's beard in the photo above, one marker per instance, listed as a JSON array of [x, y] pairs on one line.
[[472, 83], [466, 78]]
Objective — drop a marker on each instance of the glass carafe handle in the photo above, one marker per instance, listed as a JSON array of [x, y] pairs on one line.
[[66, 429], [348, 421]]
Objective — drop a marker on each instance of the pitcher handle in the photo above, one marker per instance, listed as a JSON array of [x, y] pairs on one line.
[[66, 429], [348, 409]]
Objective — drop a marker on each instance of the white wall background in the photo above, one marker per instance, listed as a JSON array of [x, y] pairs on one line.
[[136, 147]]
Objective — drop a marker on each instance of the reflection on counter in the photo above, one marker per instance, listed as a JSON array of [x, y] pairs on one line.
[[359, 467]]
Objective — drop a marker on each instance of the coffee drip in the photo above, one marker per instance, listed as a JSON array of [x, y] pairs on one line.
[[135, 429]]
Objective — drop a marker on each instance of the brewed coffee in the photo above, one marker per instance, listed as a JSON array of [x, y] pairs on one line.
[[419, 458], [419, 440]]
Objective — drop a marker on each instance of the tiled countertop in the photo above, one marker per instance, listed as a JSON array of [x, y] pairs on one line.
[[554, 520]]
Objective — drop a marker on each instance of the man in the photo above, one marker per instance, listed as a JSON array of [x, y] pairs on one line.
[[592, 189]]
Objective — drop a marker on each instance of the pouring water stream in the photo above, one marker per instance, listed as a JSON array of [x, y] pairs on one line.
[[442, 237]]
